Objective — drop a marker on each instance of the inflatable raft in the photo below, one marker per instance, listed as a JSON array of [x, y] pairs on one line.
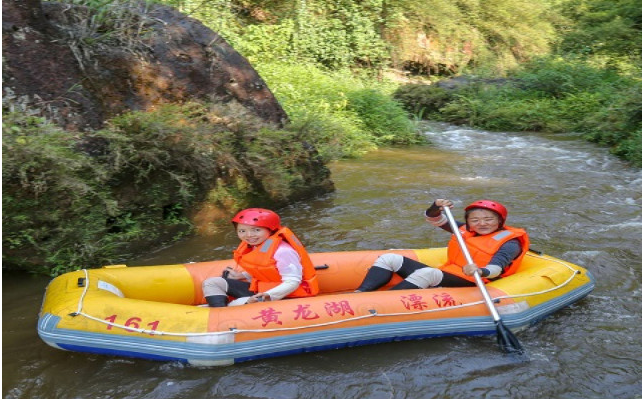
[[157, 312]]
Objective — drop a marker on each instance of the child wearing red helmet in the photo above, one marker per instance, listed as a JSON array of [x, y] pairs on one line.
[[274, 264], [497, 251]]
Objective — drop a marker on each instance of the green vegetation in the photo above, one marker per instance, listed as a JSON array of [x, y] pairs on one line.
[[428, 37], [603, 28], [546, 94], [344, 115]]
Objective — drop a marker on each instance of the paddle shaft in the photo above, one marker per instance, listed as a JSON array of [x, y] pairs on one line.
[[469, 259]]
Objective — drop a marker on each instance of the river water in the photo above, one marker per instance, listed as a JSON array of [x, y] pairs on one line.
[[578, 203]]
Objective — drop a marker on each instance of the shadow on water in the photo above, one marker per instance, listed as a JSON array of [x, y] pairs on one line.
[[578, 203]]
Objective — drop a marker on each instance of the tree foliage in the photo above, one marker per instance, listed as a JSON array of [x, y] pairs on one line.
[[431, 36], [603, 27]]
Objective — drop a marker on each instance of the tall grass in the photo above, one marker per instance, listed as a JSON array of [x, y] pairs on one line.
[[345, 115]]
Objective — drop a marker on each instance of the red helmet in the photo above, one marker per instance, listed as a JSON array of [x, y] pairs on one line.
[[491, 206], [258, 217]]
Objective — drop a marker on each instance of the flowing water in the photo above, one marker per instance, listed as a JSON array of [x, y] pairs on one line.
[[577, 202]]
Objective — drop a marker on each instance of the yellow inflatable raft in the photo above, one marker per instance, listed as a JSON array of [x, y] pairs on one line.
[[157, 312]]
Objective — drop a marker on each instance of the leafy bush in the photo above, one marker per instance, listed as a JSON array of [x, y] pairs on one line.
[[618, 124], [54, 200], [422, 100], [557, 77], [335, 135], [339, 34], [383, 117], [341, 116], [631, 148], [267, 43]]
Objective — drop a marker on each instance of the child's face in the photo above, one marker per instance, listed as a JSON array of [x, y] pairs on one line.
[[482, 221], [253, 235]]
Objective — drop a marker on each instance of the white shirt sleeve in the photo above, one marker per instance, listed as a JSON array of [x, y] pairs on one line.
[[288, 263]]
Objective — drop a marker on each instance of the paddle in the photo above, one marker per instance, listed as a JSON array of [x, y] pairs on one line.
[[505, 338]]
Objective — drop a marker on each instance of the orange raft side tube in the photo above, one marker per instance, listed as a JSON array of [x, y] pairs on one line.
[[339, 273], [149, 312]]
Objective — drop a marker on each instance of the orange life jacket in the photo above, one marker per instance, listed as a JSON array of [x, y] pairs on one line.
[[259, 262], [482, 248]]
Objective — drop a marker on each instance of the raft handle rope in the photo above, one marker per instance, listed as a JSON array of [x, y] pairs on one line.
[[372, 312], [574, 273]]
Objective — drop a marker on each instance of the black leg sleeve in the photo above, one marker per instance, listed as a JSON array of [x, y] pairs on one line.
[[238, 288], [409, 266], [216, 301], [404, 285], [450, 280], [375, 278]]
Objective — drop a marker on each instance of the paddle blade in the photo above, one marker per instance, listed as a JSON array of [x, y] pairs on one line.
[[507, 340]]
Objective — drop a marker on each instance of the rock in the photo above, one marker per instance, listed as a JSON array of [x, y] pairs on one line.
[[79, 75]]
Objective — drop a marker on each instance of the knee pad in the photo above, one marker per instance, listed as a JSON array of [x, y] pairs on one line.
[[215, 286], [426, 277], [390, 262]]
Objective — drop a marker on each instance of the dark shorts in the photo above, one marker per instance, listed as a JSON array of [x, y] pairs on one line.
[[238, 288]]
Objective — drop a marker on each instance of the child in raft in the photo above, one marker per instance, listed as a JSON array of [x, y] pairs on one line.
[[497, 251], [274, 264]]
